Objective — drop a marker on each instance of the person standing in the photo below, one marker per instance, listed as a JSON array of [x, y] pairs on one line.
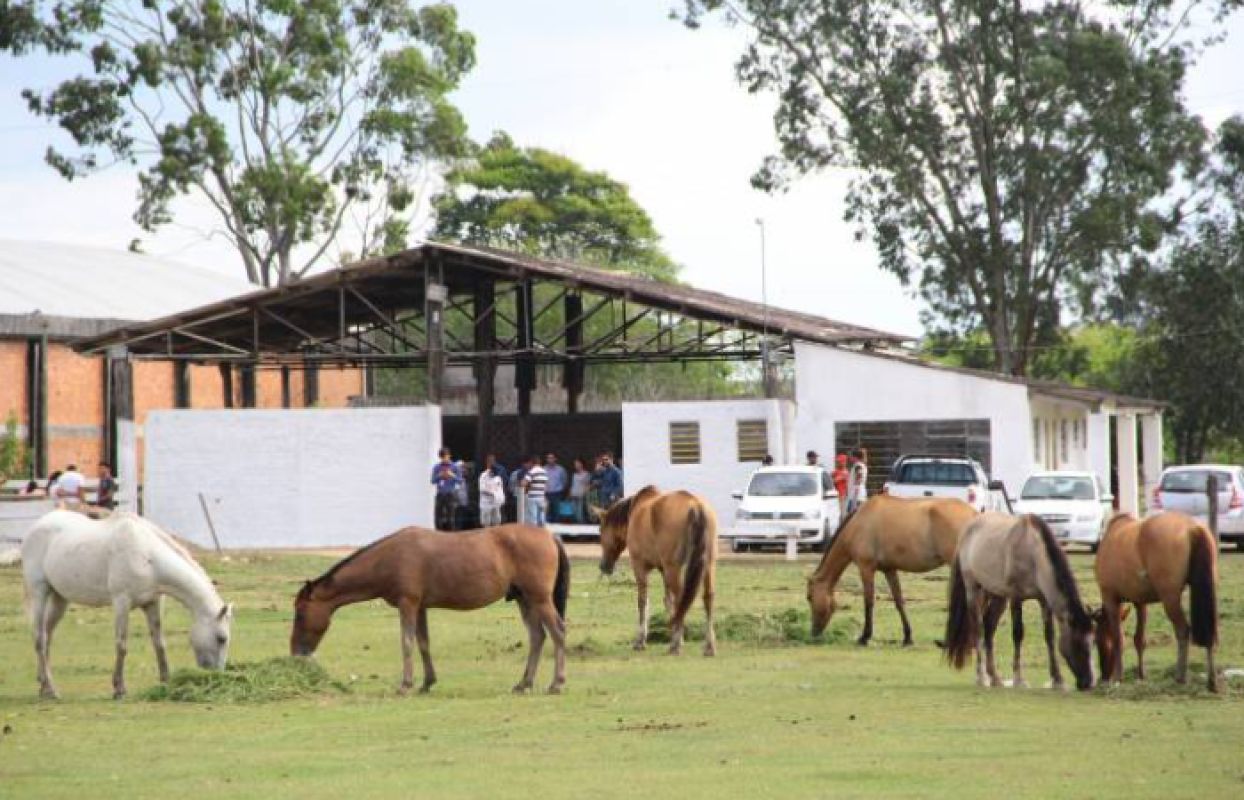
[[580, 485], [609, 479], [491, 496], [814, 460], [535, 484], [515, 485], [106, 496], [446, 477], [858, 483], [558, 483], [841, 479]]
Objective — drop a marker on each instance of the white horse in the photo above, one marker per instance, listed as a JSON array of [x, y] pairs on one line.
[[127, 562]]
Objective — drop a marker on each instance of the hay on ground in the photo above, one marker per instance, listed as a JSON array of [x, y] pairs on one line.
[[255, 682]]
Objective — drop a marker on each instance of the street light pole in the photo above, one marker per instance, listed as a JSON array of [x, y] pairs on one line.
[[768, 369]]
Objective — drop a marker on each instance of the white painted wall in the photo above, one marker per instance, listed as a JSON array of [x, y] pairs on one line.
[[834, 385], [1099, 447], [1051, 418], [291, 477], [645, 443]]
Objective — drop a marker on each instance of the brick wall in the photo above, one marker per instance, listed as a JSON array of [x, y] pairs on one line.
[[13, 380], [75, 409]]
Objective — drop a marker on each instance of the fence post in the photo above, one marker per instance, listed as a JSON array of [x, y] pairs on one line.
[[1211, 492]]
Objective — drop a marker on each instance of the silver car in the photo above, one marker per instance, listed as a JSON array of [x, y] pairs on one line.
[[1184, 489]]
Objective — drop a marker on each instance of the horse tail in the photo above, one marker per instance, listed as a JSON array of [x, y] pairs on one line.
[[1201, 559], [961, 622], [697, 558], [561, 584]]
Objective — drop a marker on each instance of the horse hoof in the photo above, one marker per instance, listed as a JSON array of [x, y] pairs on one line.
[[403, 690], [862, 642], [522, 688], [427, 687], [118, 695], [709, 652], [555, 689], [639, 646], [1019, 684], [49, 694]]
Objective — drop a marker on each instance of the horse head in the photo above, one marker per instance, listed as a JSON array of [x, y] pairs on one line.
[[311, 619], [1075, 643], [1104, 636], [614, 523], [209, 638], [821, 604]]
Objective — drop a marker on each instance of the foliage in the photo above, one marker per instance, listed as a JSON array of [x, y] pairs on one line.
[[14, 459], [287, 117], [283, 678], [1007, 156], [535, 201]]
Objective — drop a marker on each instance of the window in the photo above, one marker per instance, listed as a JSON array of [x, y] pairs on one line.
[[936, 473], [684, 443], [753, 439], [1055, 487], [783, 484]]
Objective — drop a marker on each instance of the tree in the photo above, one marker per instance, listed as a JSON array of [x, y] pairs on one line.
[[286, 116], [1007, 156], [539, 202]]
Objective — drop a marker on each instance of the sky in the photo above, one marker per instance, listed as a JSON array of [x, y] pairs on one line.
[[617, 86]]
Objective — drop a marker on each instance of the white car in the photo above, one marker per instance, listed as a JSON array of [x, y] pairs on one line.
[[781, 502], [917, 476], [1073, 504]]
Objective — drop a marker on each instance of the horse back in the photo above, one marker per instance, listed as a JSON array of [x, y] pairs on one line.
[[470, 570], [1164, 543], [660, 531], [86, 560]]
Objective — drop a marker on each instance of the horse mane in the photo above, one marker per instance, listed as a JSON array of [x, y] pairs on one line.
[[620, 512], [174, 544], [842, 526], [1063, 578], [327, 577]]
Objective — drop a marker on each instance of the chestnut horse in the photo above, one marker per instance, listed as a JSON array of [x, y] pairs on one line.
[[886, 534], [1152, 561], [417, 569], [1002, 558], [668, 532]]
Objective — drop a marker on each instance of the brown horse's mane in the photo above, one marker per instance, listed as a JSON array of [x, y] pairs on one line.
[[619, 514], [842, 526], [1063, 577], [305, 592]]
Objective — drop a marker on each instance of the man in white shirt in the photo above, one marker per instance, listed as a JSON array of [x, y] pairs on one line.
[[69, 488], [535, 483], [491, 498]]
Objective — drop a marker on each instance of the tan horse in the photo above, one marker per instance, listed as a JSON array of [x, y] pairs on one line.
[[667, 532], [416, 569], [1152, 561], [1003, 558], [889, 535]]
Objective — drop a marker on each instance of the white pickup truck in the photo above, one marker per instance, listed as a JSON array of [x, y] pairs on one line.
[[940, 476]]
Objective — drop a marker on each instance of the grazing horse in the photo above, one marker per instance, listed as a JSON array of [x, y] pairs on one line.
[[126, 562], [1002, 558], [886, 534], [668, 532], [417, 569], [1152, 561]]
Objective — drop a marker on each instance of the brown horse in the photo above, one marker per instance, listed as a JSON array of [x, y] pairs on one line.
[[1002, 558], [886, 534], [666, 532], [1152, 561], [416, 569]]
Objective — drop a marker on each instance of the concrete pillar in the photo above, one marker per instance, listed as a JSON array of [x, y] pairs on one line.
[[485, 341], [1151, 453], [1125, 444], [124, 431], [1097, 445], [435, 295]]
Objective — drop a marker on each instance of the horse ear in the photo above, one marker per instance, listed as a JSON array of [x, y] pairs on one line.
[[225, 613]]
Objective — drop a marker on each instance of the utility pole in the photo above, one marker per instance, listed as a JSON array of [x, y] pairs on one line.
[[768, 367]]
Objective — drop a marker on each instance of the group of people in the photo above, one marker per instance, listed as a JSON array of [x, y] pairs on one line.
[[849, 477], [549, 492], [68, 488]]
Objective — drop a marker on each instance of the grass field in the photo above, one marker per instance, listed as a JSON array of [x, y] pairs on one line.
[[762, 719]]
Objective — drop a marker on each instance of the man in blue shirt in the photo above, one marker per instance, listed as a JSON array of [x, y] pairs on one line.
[[609, 481], [558, 483], [446, 477]]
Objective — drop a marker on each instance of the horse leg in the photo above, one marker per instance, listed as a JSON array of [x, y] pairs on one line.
[[1017, 641], [678, 625], [535, 645], [1051, 648], [408, 614], [1138, 639], [425, 651], [896, 592], [641, 586], [39, 615], [867, 578], [710, 636], [556, 628], [121, 607], [1175, 612], [994, 607], [154, 627]]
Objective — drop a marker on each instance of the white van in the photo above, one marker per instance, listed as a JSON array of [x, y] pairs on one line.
[[782, 504]]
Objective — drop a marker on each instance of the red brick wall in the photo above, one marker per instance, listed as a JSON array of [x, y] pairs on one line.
[[13, 380], [337, 386], [75, 409]]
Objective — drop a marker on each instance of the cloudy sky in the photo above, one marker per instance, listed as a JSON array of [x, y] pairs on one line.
[[617, 86]]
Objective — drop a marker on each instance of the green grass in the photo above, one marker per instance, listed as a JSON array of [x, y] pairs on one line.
[[773, 715]]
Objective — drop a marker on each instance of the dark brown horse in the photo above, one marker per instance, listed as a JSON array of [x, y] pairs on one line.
[[674, 533], [1151, 562], [416, 569]]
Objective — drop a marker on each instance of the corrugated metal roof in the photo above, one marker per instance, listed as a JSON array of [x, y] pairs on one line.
[[94, 283]]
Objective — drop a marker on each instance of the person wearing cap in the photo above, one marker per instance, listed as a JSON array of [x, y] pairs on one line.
[[840, 483], [814, 460]]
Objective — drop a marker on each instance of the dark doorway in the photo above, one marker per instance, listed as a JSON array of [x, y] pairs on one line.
[[886, 441]]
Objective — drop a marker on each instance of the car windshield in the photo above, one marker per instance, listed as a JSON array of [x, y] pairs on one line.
[[937, 473], [1057, 487], [782, 484], [1192, 481]]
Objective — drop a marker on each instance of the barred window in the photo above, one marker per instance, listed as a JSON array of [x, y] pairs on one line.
[[753, 439], [684, 443]]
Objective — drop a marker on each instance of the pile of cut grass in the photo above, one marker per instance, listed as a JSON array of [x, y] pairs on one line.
[[1162, 685], [766, 628], [283, 678]]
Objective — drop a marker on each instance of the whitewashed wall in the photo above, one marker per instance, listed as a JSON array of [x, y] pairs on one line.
[[291, 478], [834, 385], [645, 443], [1050, 417]]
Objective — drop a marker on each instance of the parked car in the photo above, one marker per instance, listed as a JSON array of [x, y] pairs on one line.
[[1073, 504], [1184, 489], [782, 500], [940, 476]]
